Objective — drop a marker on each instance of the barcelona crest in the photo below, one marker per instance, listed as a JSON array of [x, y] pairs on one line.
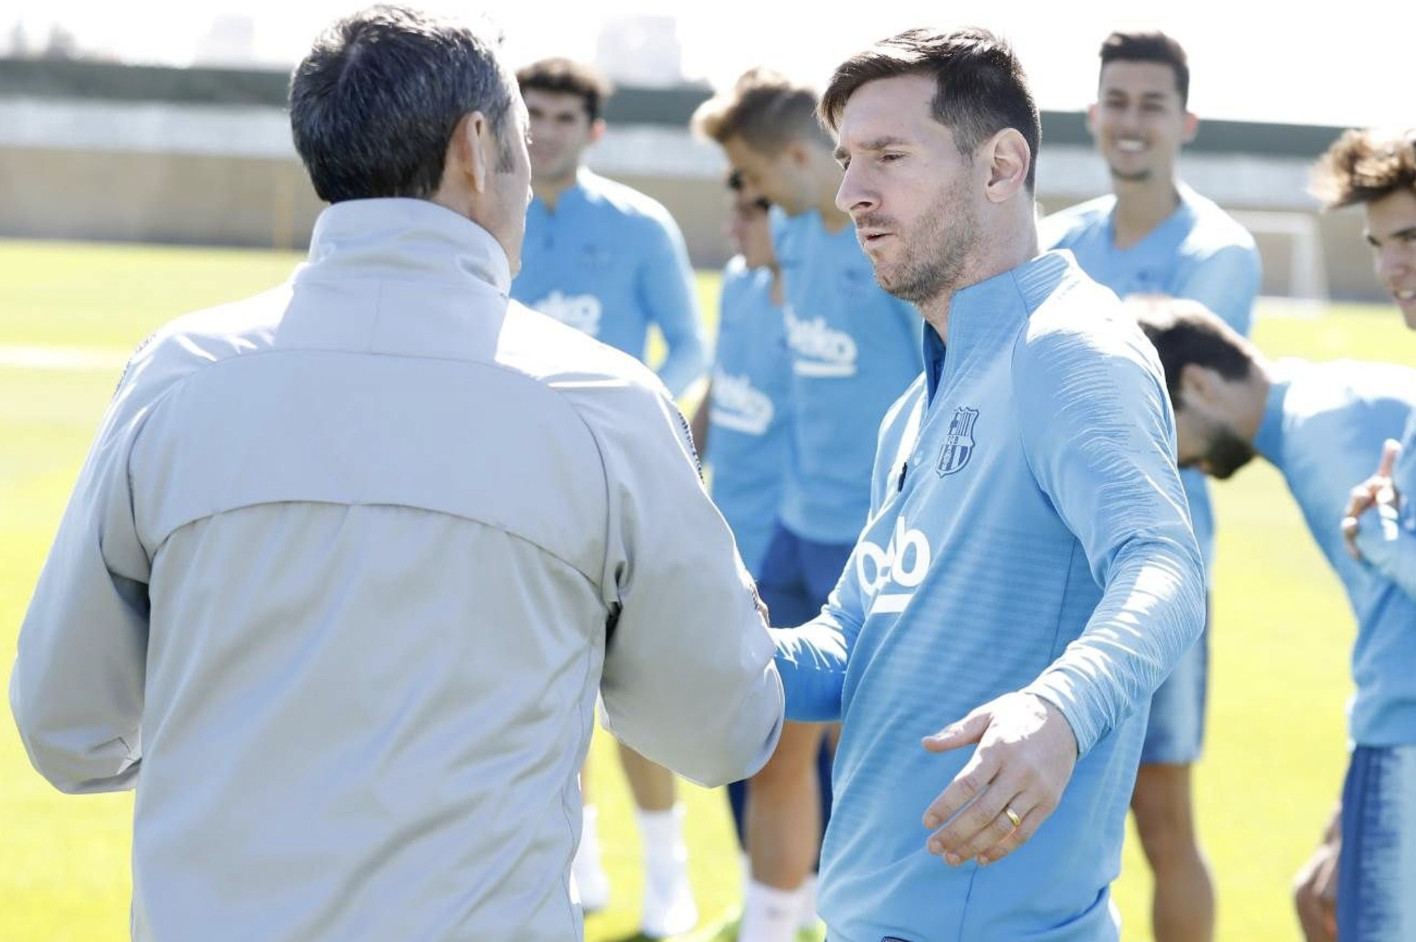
[[958, 443]]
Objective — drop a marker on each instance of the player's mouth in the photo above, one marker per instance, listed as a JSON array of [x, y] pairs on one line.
[[1130, 145], [1405, 299]]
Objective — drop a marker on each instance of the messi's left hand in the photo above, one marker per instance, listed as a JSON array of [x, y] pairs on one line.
[[1014, 780]]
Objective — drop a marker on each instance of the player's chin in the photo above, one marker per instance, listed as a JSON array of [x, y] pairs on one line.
[[1408, 312]]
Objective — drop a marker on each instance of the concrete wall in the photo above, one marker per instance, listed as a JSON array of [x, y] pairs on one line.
[[227, 174]]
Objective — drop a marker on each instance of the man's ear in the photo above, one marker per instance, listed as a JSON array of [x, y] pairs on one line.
[[798, 151], [471, 150], [1007, 157], [1192, 127], [1197, 383], [1091, 119], [597, 130]]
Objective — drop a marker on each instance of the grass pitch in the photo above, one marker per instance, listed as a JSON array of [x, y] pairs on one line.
[[1282, 631]]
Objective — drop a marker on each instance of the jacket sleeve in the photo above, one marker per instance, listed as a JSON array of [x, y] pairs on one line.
[[76, 690], [813, 658], [667, 287], [1388, 548], [689, 680], [1099, 436]]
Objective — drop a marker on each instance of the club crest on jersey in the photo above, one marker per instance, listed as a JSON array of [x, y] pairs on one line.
[[958, 443]]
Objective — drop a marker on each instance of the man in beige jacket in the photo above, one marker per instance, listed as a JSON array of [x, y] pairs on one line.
[[350, 560]]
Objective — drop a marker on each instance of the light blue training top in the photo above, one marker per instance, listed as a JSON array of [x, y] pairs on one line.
[[1323, 428], [610, 261], [749, 414], [1028, 531], [1199, 252], [1390, 544], [854, 350]]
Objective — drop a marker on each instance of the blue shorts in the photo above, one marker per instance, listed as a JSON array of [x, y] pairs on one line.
[[1177, 713], [797, 575], [1376, 870]]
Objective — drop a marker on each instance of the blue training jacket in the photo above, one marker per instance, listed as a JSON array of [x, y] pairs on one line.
[[854, 350], [1028, 531], [749, 414], [609, 262]]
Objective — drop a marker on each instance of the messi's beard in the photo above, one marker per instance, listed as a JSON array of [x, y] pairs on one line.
[[937, 252]]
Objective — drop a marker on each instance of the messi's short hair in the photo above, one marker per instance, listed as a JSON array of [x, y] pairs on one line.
[[980, 87]]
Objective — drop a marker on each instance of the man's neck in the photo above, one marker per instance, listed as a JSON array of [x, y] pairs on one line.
[[1140, 207], [549, 189], [1006, 250], [1257, 386]]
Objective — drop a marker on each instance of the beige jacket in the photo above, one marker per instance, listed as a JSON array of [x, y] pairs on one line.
[[339, 583]]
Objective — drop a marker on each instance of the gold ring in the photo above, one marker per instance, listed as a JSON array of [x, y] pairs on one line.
[[1012, 816]]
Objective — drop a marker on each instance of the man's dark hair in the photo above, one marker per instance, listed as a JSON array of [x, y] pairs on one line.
[[374, 105], [567, 77], [1363, 166], [1186, 332], [1150, 47], [980, 85]]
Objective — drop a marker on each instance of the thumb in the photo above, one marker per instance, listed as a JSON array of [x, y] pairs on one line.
[[1391, 450], [963, 732]]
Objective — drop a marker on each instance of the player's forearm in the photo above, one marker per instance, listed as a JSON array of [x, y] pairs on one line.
[[1151, 612], [686, 361], [1388, 548], [812, 662]]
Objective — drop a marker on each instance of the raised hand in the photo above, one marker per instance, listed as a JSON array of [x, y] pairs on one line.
[[1378, 491]]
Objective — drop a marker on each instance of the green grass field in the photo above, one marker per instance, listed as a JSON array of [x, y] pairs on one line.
[[1275, 752]]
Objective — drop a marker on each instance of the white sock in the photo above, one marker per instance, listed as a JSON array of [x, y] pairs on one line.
[[662, 835], [807, 917], [769, 914], [592, 887]]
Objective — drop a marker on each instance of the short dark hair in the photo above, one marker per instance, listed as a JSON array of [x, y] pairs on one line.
[[568, 77], [980, 85], [1363, 166], [374, 104], [1185, 332], [1152, 46], [765, 109]]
